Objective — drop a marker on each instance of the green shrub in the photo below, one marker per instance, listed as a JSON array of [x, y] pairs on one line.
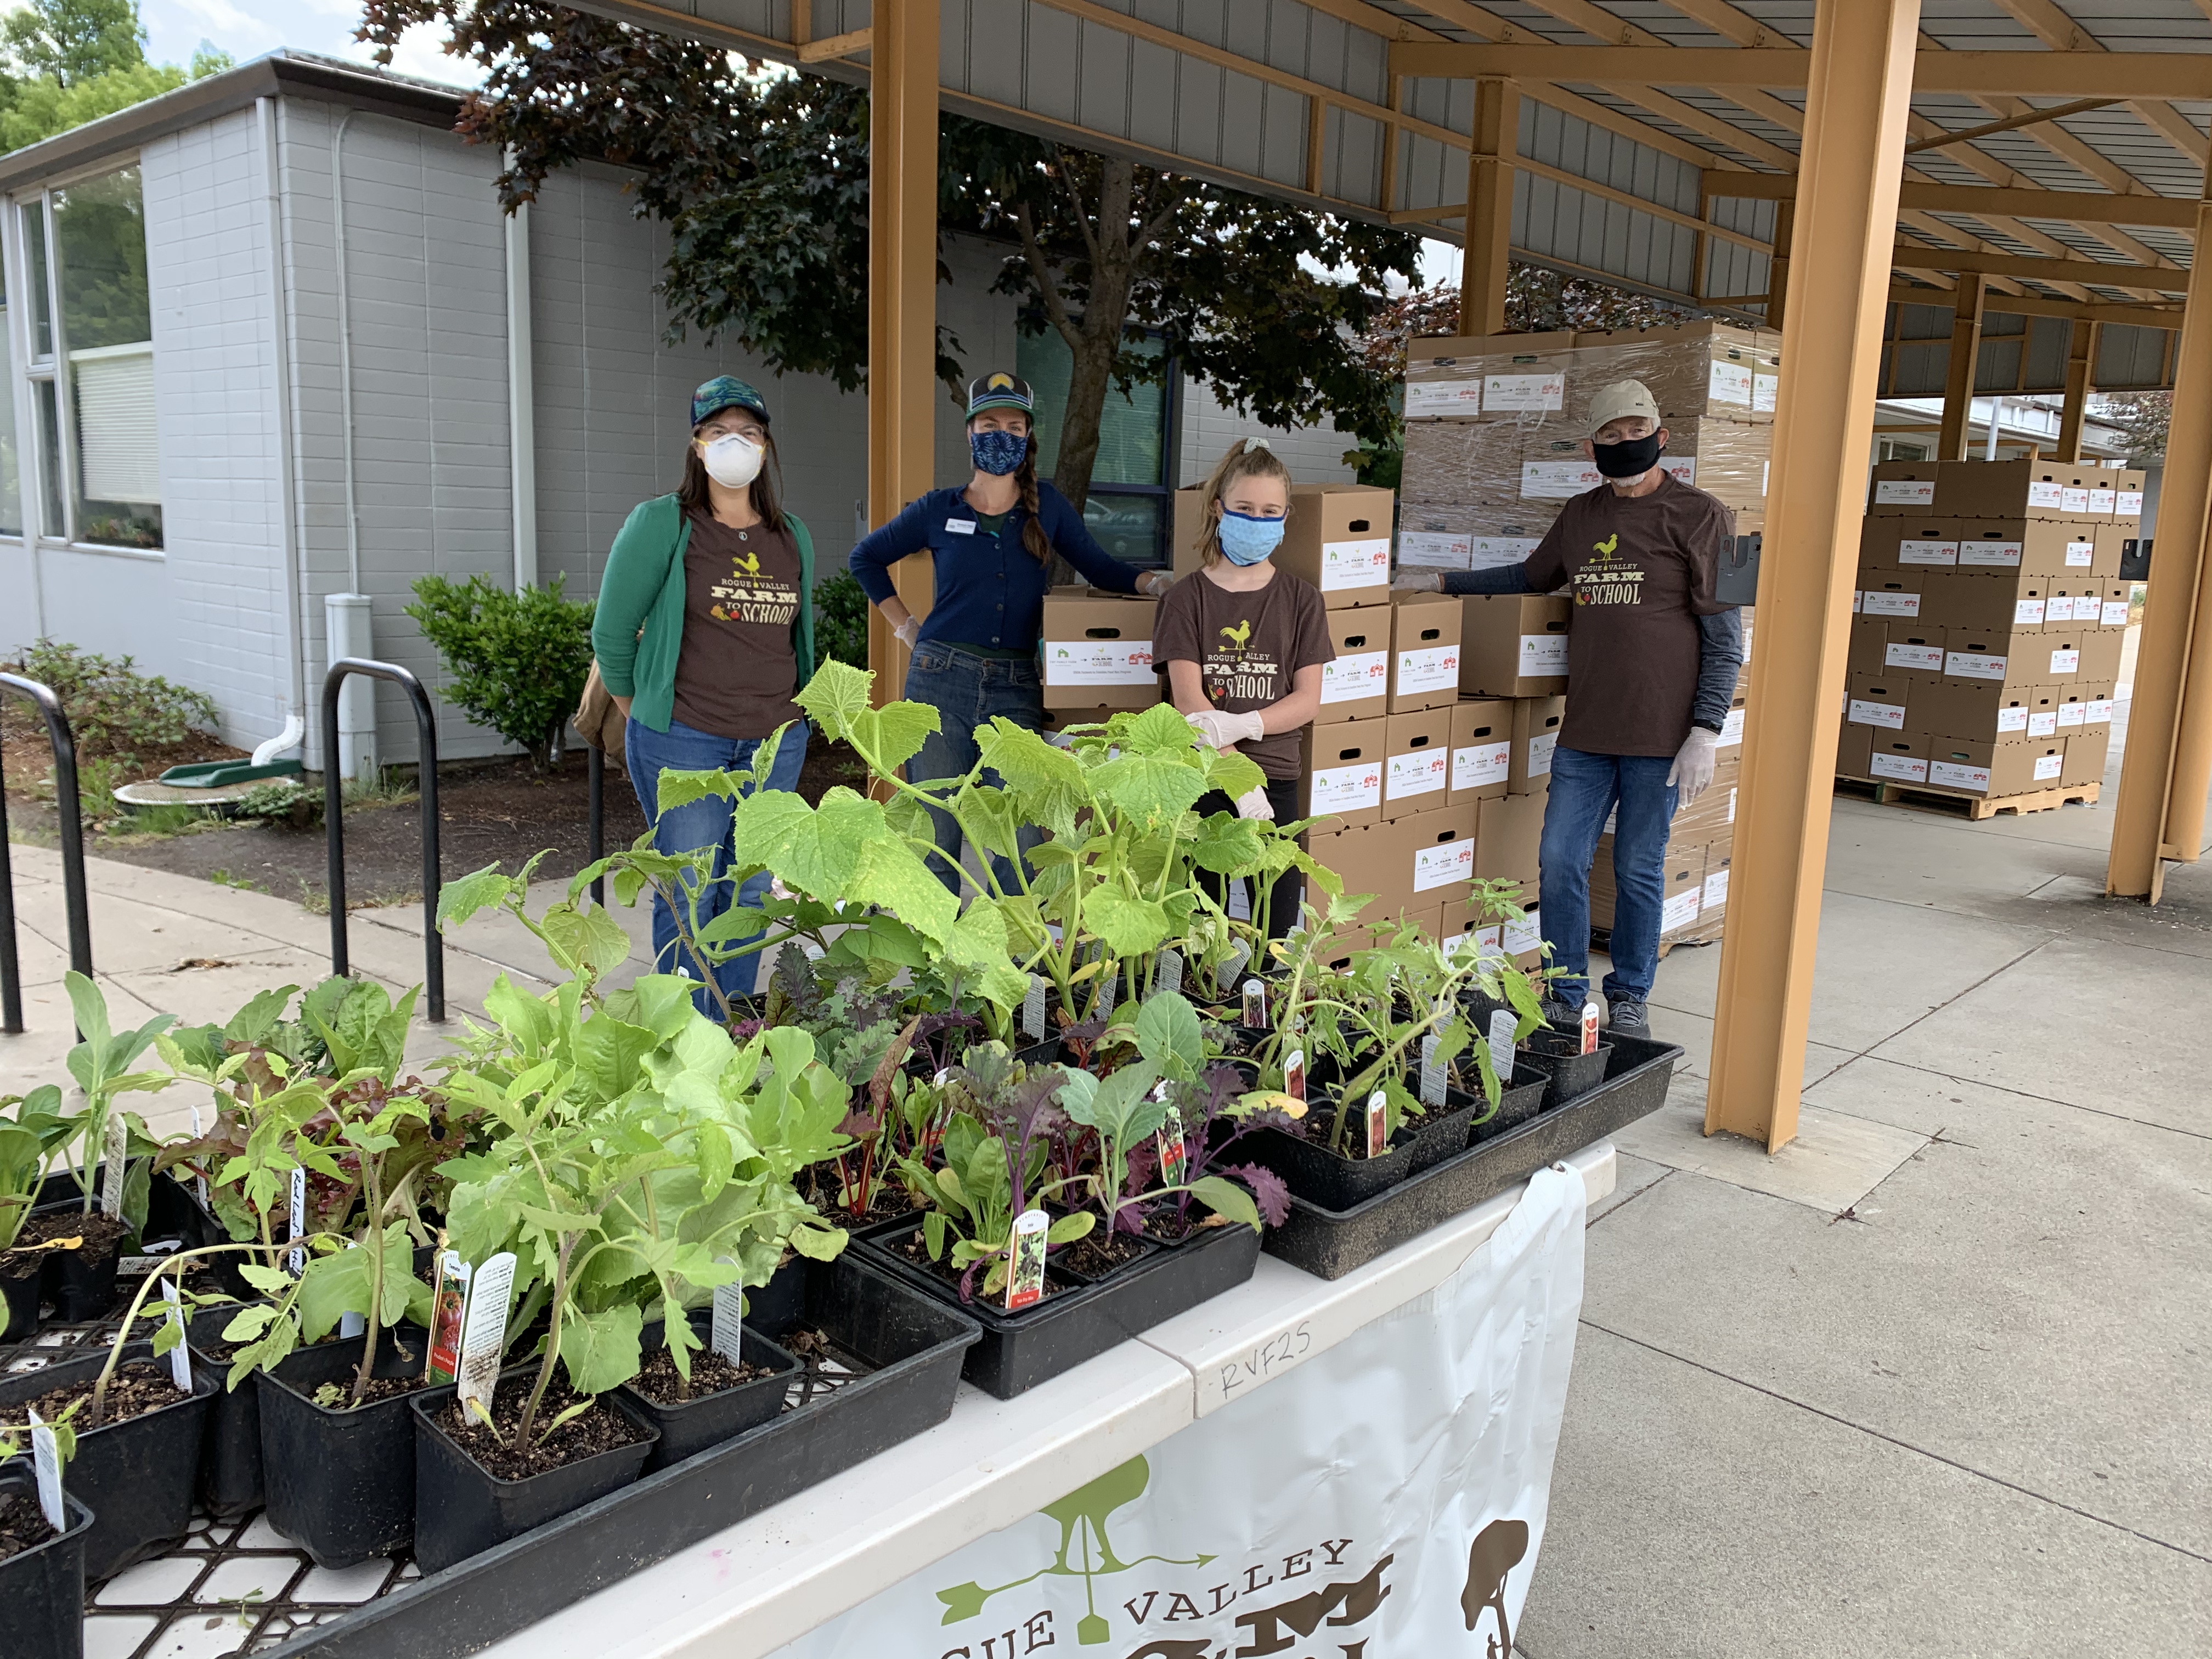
[[112, 709], [841, 621], [515, 662]]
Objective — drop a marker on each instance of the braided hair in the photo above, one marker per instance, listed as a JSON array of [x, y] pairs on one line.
[[1033, 536]]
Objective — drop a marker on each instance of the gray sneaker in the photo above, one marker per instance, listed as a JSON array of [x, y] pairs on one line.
[[1626, 1017]]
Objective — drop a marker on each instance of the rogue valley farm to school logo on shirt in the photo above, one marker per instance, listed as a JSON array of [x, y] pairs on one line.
[[1605, 580]]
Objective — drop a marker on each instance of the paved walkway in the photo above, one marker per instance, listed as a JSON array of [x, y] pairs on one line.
[[1933, 1381]]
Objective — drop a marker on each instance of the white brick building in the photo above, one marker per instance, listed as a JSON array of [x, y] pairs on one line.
[[310, 380]]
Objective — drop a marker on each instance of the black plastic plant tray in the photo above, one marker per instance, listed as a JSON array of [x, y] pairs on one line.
[[1322, 1176], [898, 1366], [1330, 1243], [1018, 1351]]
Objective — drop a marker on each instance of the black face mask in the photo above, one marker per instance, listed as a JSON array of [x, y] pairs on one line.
[[1628, 457]]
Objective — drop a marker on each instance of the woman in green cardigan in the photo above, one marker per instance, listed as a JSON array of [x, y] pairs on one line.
[[704, 630]]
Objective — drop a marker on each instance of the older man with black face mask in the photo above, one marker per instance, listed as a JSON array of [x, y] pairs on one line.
[[1652, 661]]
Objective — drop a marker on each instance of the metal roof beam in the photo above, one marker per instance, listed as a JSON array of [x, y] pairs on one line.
[[1910, 258], [2163, 211]]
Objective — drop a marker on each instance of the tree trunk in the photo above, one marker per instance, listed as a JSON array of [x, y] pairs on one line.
[[1095, 342]]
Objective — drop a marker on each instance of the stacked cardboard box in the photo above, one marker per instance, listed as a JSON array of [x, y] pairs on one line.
[[1990, 614]]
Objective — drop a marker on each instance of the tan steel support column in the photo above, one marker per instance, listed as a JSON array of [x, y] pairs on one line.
[[1959, 374], [1777, 269], [2081, 362], [1854, 115], [901, 298], [1489, 206], [2160, 814]]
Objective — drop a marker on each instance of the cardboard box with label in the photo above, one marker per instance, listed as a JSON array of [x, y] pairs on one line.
[[1337, 538], [1913, 650], [1685, 892], [1990, 656], [1451, 537], [1897, 756], [1893, 596], [2120, 597], [1535, 735], [1509, 839], [1975, 709], [1425, 652], [1451, 462], [1867, 651], [1877, 700], [2086, 750], [2127, 484], [2053, 490], [1709, 369], [1513, 645], [1902, 487], [2027, 547], [1893, 542], [1481, 749], [1718, 857], [1357, 685], [2071, 604], [2099, 663], [1097, 650], [1417, 762], [1968, 599], [1995, 767], [1501, 377], [1343, 780], [1427, 858]]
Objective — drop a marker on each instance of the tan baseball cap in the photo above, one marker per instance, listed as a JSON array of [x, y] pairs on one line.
[[1618, 402]]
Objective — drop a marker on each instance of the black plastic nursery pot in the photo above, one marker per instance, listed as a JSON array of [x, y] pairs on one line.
[[1083, 1318], [1559, 1054], [338, 1483], [22, 1289], [230, 1450], [135, 1476], [42, 1587], [1331, 1243], [907, 1350], [692, 1426], [80, 1284], [1319, 1176], [462, 1509]]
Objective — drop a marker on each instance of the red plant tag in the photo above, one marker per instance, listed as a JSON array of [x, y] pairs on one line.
[[1378, 1125], [1174, 1155], [1255, 1003], [1294, 1074], [1025, 1262], [1589, 1025], [447, 1302]]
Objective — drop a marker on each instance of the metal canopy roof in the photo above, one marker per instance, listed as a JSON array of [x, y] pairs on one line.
[[1656, 137]]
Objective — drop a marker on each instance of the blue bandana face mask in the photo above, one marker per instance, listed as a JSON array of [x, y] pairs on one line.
[[998, 452], [1246, 540]]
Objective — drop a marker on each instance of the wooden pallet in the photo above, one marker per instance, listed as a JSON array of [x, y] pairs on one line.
[[1601, 940], [1950, 803]]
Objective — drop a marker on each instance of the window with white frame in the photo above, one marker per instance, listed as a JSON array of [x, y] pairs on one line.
[[90, 333], [11, 485]]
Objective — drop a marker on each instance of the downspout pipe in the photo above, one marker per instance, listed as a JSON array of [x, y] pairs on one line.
[[294, 730], [521, 397]]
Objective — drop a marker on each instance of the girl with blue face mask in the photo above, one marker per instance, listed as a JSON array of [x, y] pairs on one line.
[[1244, 644], [991, 543]]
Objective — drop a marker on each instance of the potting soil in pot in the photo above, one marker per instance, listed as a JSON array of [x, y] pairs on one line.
[[134, 1391], [99, 1232], [913, 1248], [21, 1525], [658, 1380], [599, 1429], [1096, 1254]]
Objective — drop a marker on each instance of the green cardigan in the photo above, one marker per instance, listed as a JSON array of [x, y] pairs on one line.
[[643, 588]]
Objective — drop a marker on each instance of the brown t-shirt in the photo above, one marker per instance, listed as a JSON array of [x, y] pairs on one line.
[[1642, 570], [1248, 647], [737, 669]]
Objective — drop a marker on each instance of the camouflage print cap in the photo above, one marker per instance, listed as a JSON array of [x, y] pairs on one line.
[[725, 391]]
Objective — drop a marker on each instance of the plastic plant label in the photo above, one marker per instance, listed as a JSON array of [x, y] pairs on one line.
[[1992, 554], [2015, 719], [46, 1458], [1432, 1072], [483, 1332], [727, 1335], [296, 1262], [1891, 605], [2112, 614], [180, 1357], [1362, 563], [1167, 970], [1434, 549], [1973, 665], [352, 1324], [2080, 555], [1033, 1008], [1922, 552], [1294, 1074], [1025, 1260], [1729, 383], [1502, 1022], [1098, 662], [2029, 613], [1905, 492], [1480, 764], [809, 950], [1927, 658], [449, 1301], [1543, 655], [113, 1156], [1949, 774], [1420, 772], [1435, 669], [1175, 1151], [1346, 789], [1230, 971], [1255, 1003], [2043, 724], [1488, 552], [1904, 768], [1532, 393], [1361, 674], [1540, 753], [1589, 1025], [2065, 662], [1378, 1125], [199, 1182], [1109, 984]]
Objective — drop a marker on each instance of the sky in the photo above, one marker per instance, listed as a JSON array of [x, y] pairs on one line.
[[247, 29]]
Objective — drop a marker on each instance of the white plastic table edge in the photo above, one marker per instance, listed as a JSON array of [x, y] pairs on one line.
[[750, 1589]]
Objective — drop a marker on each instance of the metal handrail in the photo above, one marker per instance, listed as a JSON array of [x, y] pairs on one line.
[[426, 723], [595, 833], [66, 808]]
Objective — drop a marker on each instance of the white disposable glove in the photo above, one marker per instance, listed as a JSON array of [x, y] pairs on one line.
[[908, 632], [1254, 804], [1155, 583], [1692, 770], [1225, 730], [1418, 581]]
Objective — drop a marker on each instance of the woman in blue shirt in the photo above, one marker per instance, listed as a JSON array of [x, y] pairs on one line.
[[976, 655]]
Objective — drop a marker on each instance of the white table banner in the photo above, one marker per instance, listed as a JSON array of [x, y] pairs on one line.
[[1383, 1500]]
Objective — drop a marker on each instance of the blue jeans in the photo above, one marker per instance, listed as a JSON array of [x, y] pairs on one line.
[[966, 690], [1584, 788], [700, 824]]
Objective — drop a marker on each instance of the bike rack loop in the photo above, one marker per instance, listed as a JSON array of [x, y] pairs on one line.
[[595, 843], [426, 725], [66, 808]]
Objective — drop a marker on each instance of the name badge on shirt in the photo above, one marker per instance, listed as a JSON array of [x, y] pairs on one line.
[[960, 527]]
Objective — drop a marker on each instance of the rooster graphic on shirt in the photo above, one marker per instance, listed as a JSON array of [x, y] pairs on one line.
[[1233, 669], [1607, 578], [749, 594]]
